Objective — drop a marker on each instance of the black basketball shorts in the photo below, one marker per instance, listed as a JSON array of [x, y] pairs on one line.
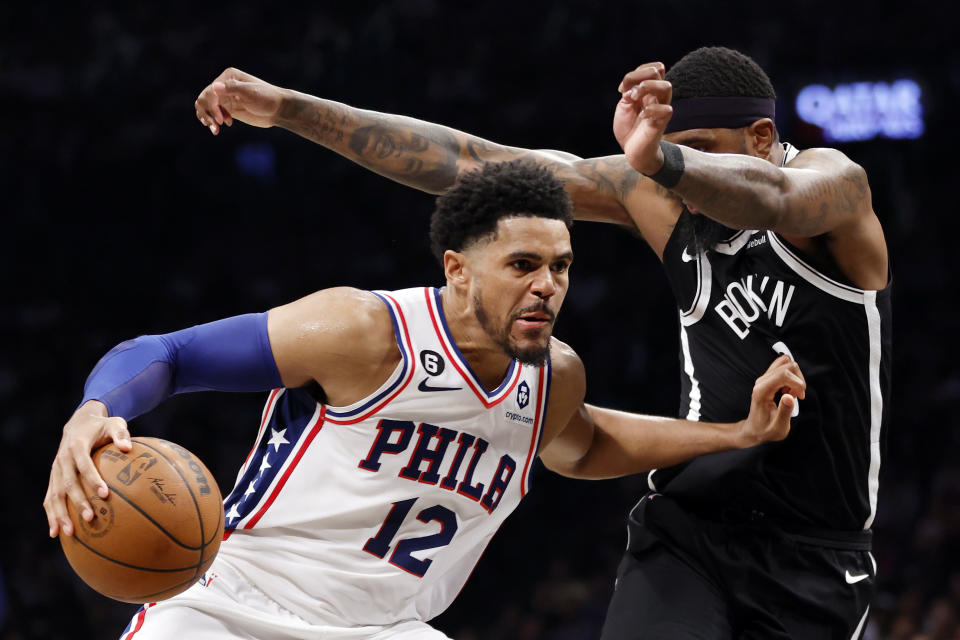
[[685, 578]]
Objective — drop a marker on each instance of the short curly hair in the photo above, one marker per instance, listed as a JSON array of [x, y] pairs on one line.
[[470, 209], [719, 72]]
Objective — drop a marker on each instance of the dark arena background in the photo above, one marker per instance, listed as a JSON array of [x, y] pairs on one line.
[[122, 215]]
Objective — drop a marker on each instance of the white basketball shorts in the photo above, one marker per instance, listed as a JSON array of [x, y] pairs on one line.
[[224, 606]]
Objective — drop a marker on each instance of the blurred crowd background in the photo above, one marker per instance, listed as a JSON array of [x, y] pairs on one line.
[[122, 215]]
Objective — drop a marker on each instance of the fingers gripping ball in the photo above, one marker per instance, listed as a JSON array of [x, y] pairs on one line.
[[159, 529]]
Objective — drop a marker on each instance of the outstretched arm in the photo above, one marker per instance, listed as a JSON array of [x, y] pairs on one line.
[[603, 443], [413, 152], [341, 339]]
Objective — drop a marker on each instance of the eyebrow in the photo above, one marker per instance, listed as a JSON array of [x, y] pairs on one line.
[[530, 255], [692, 140]]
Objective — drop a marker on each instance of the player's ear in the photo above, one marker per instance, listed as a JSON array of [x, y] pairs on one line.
[[761, 136], [454, 267]]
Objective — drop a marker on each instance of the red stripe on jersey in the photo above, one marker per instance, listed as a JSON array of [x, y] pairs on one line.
[[286, 474], [518, 369], [536, 431], [413, 366], [268, 410], [140, 617]]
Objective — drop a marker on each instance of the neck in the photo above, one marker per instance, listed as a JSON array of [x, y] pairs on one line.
[[776, 154], [485, 357]]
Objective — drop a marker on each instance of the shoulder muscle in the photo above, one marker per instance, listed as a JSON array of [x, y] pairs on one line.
[[342, 338]]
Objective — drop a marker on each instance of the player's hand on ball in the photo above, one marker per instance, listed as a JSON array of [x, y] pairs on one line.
[[236, 95], [87, 429], [641, 116], [769, 419]]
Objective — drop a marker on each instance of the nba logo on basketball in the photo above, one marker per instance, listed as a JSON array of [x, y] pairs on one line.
[[523, 394], [130, 473]]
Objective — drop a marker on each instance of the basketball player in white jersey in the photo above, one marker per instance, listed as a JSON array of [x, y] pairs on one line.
[[400, 431]]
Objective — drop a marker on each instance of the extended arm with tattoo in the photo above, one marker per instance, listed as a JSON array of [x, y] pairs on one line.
[[817, 194], [419, 154], [413, 152]]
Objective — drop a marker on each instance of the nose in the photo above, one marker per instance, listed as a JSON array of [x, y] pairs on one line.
[[543, 285]]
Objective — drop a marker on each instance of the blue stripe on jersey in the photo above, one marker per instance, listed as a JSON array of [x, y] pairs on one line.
[[291, 417], [129, 626], [398, 332], [507, 379]]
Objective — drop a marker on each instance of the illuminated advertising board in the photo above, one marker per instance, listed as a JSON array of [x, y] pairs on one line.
[[863, 110]]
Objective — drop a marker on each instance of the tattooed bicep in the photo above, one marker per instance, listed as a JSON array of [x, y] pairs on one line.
[[482, 150]]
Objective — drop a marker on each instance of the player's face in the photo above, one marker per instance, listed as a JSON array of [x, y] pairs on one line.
[[520, 279], [702, 232]]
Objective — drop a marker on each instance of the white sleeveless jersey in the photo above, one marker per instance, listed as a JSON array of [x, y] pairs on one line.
[[378, 511]]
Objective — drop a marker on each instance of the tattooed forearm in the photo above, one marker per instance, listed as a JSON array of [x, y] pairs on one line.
[[429, 156], [409, 151], [321, 121], [383, 143], [749, 193], [419, 154]]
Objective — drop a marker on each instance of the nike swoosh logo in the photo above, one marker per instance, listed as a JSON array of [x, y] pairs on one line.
[[854, 579], [685, 256], [423, 386]]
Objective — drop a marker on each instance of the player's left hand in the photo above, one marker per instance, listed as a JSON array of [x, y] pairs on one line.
[[641, 116], [769, 421]]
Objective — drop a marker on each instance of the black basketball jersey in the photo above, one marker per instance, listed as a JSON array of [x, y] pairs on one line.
[[743, 303]]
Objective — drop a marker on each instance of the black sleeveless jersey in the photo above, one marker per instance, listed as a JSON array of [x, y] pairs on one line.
[[741, 304]]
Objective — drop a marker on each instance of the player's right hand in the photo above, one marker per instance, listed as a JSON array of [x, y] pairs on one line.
[[642, 115], [769, 419], [87, 429], [236, 95]]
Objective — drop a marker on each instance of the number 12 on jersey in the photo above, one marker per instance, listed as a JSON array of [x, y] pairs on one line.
[[379, 545]]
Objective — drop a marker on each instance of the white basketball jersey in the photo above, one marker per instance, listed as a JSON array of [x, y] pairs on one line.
[[378, 511]]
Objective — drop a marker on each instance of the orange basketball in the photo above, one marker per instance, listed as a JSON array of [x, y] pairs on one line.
[[159, 529]]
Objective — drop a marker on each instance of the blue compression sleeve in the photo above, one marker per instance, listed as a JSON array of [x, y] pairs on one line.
[[232, 354]]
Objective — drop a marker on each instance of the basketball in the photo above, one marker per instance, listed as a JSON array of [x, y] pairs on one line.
[[157, 531]]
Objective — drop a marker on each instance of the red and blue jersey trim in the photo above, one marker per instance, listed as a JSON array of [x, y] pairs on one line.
[[488, 398], [267, 412], [539, 420], [294, 421], [136, 623], [408, 366]]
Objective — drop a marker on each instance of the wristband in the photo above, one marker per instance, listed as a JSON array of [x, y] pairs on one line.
[[669, 174]]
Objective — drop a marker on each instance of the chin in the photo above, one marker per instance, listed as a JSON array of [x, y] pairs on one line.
[[535, 354]]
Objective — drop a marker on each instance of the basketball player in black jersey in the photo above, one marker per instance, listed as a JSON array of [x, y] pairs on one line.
[[769, 250]]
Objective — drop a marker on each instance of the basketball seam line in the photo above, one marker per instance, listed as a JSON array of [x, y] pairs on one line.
[[133, 566], [152, 521]]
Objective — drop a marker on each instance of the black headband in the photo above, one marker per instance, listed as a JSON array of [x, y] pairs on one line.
[[719, 113]]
